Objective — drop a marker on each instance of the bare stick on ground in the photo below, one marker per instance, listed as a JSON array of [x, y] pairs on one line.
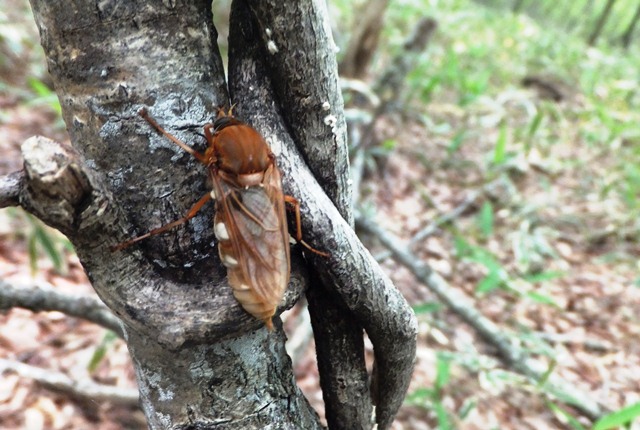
[[83, 388], [459, 303]]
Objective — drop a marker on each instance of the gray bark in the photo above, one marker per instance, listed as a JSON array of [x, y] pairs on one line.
[[351, 273], [107, 61], [201, 361], [305, 71]]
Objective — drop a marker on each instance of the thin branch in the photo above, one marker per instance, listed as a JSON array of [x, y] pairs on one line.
[[389, 89], [44, 297], [10, 186], [446, 218], [568, 339], [390, 86], [363, 43], [459, 303], [339, 341], [433, 227], [83, 388]]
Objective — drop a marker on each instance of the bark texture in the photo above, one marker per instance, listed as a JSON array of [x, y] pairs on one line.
[[292, 44], [350, 272], [201, 361], [107, 61]]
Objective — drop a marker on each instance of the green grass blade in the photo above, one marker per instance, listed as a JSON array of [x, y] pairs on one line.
[[49, 247], [500, 151], [618, 418]]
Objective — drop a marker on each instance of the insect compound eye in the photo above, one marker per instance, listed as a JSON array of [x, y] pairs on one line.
[[224, 121]]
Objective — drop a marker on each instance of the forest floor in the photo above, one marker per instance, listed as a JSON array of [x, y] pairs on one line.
[[539, 248]]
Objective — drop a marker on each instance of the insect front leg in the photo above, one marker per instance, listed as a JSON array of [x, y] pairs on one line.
[[200, 157], [192, 212], [296, 207]]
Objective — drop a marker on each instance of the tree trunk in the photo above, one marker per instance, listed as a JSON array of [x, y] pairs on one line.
[[201, 361]]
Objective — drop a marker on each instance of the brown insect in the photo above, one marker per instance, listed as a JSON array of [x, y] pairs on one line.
[[250, 221]]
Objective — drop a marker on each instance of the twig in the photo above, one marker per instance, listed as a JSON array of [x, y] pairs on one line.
[[391, 84], [513, 355], [433, 227], [361, 88], [364, 40], [83, 388], [10, 189], [446, 218], [388, 88], [43, 297], [567, 339]]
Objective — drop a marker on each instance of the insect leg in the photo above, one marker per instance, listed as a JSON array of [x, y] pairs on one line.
[[144, 114], [296, 207], [192, 212]]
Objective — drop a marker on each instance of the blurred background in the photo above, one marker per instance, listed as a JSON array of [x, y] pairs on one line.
[[495, 144]]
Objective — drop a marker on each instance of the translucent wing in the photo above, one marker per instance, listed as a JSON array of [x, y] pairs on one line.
[[251, 227]]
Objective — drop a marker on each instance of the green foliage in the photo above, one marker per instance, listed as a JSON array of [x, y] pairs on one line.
[[485, 219], [500, 151], [44, 96], [431, 398], [41, 239], [565, 416], [101, 350], [545, 377], [456, 142], [427, 308], [622, 417], [496, 276]]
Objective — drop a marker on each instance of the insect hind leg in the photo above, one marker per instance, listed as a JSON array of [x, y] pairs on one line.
[[295, 204], [192, 212]]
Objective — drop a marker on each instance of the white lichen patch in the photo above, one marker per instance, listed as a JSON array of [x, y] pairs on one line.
[[200, 367], [330, 120], [165, 395], [164, 419], [78, 122], [271, 45], [326, 106]]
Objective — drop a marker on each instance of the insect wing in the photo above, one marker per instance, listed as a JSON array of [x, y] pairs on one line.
[[251, 227]]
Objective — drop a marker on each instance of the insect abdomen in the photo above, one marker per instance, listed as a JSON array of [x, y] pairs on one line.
[[251, 247]]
